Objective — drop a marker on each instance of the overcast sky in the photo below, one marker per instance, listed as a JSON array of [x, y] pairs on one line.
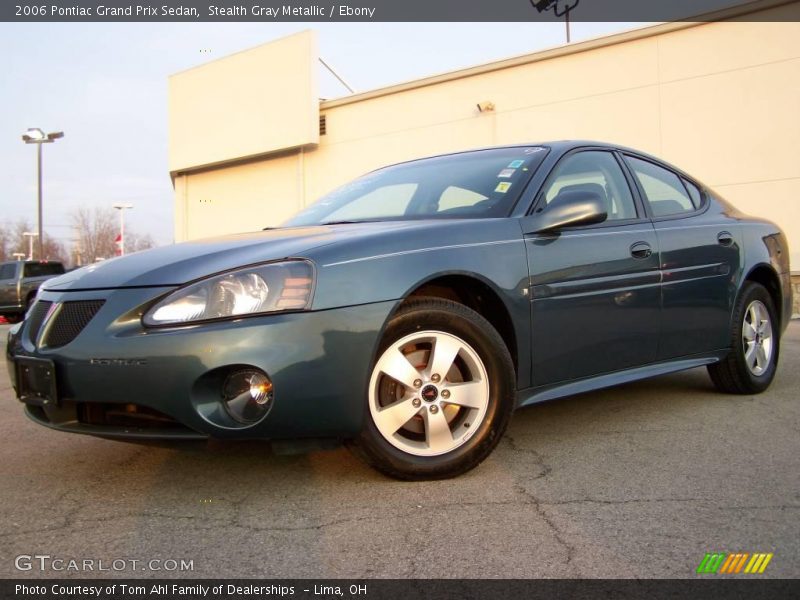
[[105, 86]]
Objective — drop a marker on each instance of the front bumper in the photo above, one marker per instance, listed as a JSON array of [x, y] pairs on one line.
[[318, 362]]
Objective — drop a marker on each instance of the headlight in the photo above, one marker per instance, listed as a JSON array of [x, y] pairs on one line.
[[249, 291]]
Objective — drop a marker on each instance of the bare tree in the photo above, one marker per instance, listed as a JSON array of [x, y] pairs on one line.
[[135, 242], [97, 230], [13, 241]]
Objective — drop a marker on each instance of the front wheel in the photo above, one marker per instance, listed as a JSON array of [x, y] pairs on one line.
[[755, 345], [440, 395]]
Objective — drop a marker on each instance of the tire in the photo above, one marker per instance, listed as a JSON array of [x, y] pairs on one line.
[[440, 424], [745, 370]]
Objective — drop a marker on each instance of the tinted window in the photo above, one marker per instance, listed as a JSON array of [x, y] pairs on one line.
[[663, 189], [8, 271], [694, 193], [470, 185], [387, 200], [596, 172], [42, 269], [455, 197]]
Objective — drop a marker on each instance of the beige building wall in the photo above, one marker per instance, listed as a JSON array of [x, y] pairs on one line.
[[721, 100], [247, 104]]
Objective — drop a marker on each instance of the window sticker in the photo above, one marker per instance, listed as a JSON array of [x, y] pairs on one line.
[[533, 150], [516, 164], [503, 187], [506, 173]]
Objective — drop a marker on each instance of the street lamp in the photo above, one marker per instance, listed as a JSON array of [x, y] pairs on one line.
[[121, 208], [39, 137], [30, 235], [561, 8]]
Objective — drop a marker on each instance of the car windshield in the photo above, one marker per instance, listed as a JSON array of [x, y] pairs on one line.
[[470, 185]]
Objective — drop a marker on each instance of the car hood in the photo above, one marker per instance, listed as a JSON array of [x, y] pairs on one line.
[[180, 263]]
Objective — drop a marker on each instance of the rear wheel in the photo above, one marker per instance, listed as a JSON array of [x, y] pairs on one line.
[[440, 395], [755, 345]]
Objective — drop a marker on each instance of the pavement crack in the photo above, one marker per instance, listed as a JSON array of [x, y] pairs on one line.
[[710, 501], [559, 536], [537, 504], [537, 458]]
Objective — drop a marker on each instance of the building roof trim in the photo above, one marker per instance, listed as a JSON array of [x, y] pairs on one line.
[[558, 51]]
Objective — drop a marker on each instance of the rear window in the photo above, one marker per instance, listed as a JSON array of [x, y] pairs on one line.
[[42, 269]]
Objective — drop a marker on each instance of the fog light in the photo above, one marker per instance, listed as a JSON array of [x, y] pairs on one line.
[[247, 395], [260, 388]]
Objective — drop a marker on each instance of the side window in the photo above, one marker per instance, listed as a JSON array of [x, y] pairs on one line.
[[598, 172], [386, 201], [8, 271], [664, 190]]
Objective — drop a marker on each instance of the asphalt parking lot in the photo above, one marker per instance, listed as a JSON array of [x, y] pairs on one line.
[[636, 481]]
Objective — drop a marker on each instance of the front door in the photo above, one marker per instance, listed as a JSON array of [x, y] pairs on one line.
[[595, 290]]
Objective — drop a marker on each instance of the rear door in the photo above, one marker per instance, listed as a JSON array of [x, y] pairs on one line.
[[595, 295], [700, 260]]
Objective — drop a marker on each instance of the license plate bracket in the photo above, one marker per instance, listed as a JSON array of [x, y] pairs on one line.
[[36, 381]]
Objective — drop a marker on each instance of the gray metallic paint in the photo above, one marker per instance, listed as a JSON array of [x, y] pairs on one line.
[[585, 313]]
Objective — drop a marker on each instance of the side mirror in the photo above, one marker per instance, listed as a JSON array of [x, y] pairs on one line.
[[568, 209]]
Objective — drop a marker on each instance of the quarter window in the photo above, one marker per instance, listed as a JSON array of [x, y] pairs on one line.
[[664, 190], [694, 192], [598, 172]]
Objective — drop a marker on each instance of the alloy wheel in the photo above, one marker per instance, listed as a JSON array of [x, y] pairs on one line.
[[757, 342], [428, 393]]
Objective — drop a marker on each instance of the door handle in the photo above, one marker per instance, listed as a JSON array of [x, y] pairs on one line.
[[725, 238], [641, 250]]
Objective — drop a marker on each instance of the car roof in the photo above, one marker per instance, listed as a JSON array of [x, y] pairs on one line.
[[557, 145], [561, 147]]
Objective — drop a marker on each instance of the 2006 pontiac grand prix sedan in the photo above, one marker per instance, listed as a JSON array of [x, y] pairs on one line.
[[409, 312]]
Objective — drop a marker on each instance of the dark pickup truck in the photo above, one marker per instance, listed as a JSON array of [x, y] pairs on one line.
[[19, 282]]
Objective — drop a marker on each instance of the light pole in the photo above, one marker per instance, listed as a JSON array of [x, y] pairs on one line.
[[39, 137], [121, 208], [30, 235], [561, 8], [19, 255]]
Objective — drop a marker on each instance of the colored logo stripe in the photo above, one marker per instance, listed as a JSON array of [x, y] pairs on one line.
[[758, 563], [711, 562], [724, 563]]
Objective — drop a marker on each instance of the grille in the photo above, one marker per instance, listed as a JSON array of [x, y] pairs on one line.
[[323, 125], [36, 318], [69, 321]]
